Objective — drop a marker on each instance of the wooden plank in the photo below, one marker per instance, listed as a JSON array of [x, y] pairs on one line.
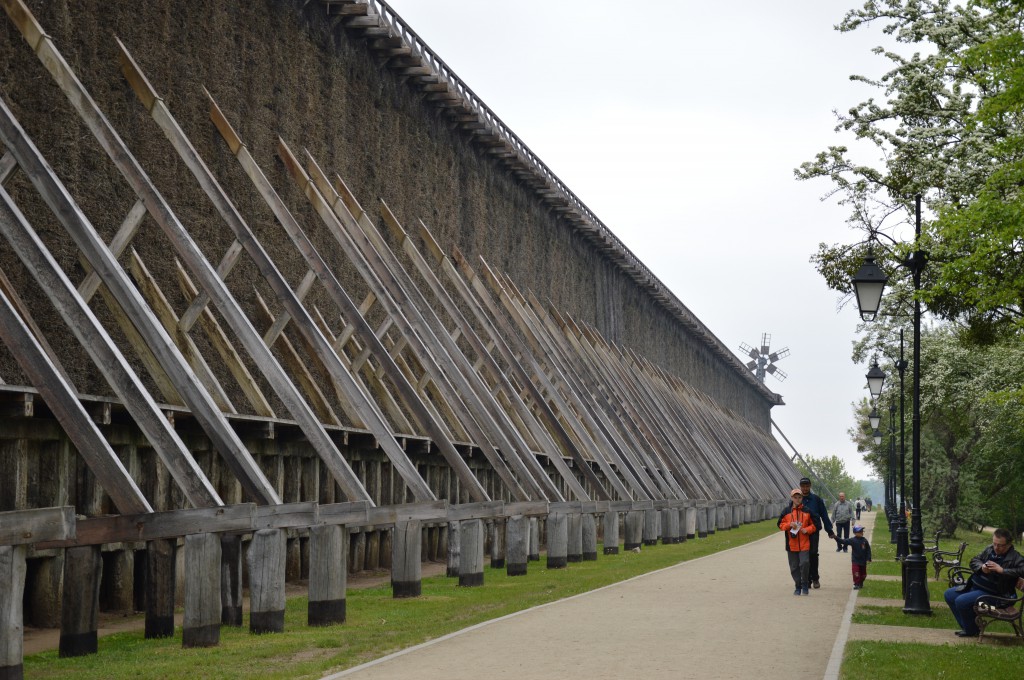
[[347, 307], [202, 300], [459, 393], [515, 404], [490, 509], [114, 278], [20, 527], [223, 346], [424, 512], [298, 368], [60, 397], [155, 525], [286, 515], [165, 312], [352, 514]]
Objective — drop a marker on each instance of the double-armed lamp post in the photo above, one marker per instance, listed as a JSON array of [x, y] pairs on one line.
[[869, 283]]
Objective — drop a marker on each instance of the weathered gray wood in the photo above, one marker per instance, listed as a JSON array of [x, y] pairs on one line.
[[652, 522], [201, 625], [116, 280], [487, 510], [286, 515], [610, 528], [231, 579], [454, 549], [352, 514], [160, 583], [405, 512], [62, 400], [498, 547], [328, 577], [557, 531], [497, 375], [517, 539], [574, 537], [633, 526], [534, 554], [353, 229], [406, 567], [117, 590], [527, 508], [689, 528], [80, 603], [670, 526], [19, 527], [471, 553], [150, 526], [589, 539], [12, 622], [267, 553], [702, 520]]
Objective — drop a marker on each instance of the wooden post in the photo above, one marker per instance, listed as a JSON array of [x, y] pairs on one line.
[[634, 529], [650, 536], [534, 554], [670, 526], [328, 577], [406, 568], [231, 580], [558, 539], [517, 532], [267, 553], [116, 587], [454, 546], [202, 591], [81, 600], [160, 582], [690, 516], [589, 540], [12, 626], [471, 562], [574, 537], [702, 520], [611, 533], [498, 547]]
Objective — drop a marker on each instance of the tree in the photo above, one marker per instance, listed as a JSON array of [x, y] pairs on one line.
[[829, 474]]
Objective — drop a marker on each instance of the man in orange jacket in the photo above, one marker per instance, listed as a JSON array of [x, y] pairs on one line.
[[798, 524]]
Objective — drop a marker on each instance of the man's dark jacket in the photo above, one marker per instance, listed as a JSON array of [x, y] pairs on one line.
[[816, 507], [999, 584]]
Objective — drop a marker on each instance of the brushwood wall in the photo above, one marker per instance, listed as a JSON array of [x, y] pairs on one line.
[[285, 68]]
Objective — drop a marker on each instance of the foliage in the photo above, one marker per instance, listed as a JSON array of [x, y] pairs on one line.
[[946, 122], [830, 477]]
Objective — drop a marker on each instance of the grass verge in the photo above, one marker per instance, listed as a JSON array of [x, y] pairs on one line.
[[377, 624]]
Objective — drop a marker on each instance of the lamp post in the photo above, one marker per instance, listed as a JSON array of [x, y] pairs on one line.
[[894, 524], [902, 548], [869, 282]]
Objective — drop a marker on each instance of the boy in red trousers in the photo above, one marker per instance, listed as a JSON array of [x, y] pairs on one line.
[[798, 525], [860, 557]]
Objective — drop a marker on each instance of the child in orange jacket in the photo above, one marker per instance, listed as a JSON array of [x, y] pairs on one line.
[[798, 524]]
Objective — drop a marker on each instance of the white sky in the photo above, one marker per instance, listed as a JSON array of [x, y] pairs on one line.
[[679, 124]]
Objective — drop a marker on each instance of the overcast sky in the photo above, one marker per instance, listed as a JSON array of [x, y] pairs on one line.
[[679, 124]]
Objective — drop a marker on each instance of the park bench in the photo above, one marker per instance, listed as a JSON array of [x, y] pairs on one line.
[[946, 559], [933, 548], [993, 608]]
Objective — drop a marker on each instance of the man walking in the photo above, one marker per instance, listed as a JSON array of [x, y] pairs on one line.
[[842, 515], [814, 505]]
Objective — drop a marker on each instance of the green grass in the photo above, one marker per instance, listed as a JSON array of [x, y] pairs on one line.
[[899, 661], [376, 623], [908, 661]]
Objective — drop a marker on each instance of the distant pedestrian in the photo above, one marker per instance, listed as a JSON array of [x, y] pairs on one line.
[[842, 515], [860, 557], [860, 505], [798, 525]]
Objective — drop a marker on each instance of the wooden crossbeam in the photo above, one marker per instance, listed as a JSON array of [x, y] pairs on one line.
[[101, 348], [405, 304], [62, 401], [113, 277], [22, 527]]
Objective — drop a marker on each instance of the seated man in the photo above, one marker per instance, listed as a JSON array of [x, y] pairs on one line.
[[996, 571]]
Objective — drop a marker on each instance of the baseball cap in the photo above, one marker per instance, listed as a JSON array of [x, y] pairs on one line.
[[804, 480], [796, 492], [858, 529]]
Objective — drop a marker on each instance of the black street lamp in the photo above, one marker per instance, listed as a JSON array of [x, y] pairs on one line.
[[869, 299], [894, 524], [876, 378], [902, 548]]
